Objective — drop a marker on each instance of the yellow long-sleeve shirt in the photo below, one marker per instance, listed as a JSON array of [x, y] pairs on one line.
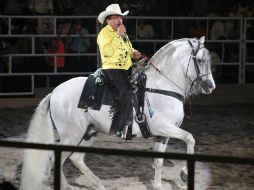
[[115, 52]]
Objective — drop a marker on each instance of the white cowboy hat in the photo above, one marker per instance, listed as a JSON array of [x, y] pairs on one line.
[[113, 9]]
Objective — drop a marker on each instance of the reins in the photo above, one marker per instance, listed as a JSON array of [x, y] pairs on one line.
[[193, 57], [161, 73], [197, 80]]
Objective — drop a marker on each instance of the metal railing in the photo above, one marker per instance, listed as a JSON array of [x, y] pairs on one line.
[[165, 29], [191, 159]]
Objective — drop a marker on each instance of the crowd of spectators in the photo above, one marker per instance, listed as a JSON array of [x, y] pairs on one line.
[[146, 29], [237, 8], [150, 29]]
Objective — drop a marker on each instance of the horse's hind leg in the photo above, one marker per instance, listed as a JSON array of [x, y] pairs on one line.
[[78, 160], [160, 146], [64, 183]]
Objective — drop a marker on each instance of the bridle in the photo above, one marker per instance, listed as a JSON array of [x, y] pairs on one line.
[[197, 82]]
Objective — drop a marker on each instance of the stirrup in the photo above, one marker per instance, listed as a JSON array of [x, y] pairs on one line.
[[140, 119], [144, 128]]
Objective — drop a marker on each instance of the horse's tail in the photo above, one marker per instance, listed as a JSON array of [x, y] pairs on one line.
[[36, 162]]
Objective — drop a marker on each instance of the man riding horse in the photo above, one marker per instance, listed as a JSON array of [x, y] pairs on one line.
[[116, 54]]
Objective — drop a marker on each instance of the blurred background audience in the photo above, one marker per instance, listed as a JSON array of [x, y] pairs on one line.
[[73, 36]]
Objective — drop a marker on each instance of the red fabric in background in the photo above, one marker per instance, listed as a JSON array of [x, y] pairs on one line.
[[56, 46]]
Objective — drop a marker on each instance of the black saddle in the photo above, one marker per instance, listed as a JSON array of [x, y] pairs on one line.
[[94, 95]]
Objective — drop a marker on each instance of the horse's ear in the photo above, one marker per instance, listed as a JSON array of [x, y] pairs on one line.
[[202, 40]]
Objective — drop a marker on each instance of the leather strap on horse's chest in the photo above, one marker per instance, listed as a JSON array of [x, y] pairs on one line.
[[167, 93]]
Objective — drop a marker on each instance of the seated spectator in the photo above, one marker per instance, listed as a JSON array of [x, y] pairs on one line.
[[80, 44], [231, 30], [45, 26], [145, 31], [218, 30], [65, 29], [225, 29], [56, 46]]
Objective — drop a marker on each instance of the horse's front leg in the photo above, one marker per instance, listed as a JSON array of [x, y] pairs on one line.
[[160, 145], [174, 131], [190, 143]]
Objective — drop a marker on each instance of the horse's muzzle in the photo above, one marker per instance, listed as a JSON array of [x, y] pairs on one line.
[[207, 86]]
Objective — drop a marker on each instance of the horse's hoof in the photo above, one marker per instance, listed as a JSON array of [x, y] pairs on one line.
[[184, 176]]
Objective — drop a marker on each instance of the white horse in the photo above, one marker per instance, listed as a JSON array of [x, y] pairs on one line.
[[182, 68]]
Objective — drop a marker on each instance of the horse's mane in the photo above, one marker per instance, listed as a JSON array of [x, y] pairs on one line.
[[164, 51], [166, 47]]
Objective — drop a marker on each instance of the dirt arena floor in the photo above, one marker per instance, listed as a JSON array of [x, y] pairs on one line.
[[219, 130]]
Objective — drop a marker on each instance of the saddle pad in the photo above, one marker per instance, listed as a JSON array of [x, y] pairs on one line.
[[91, 95], [94, 96]]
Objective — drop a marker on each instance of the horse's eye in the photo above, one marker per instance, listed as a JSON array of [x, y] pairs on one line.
[[199, 60]]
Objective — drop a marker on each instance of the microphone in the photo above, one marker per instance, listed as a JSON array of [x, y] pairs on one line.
[[125, 36]]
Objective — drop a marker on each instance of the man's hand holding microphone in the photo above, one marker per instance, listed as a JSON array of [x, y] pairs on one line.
[[121, 31]]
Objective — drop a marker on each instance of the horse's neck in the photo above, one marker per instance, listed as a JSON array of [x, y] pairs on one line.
[[171, 74], [167, 82]]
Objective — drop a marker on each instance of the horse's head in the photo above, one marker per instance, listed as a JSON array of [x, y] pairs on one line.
[[199, 68], [182, 66]]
